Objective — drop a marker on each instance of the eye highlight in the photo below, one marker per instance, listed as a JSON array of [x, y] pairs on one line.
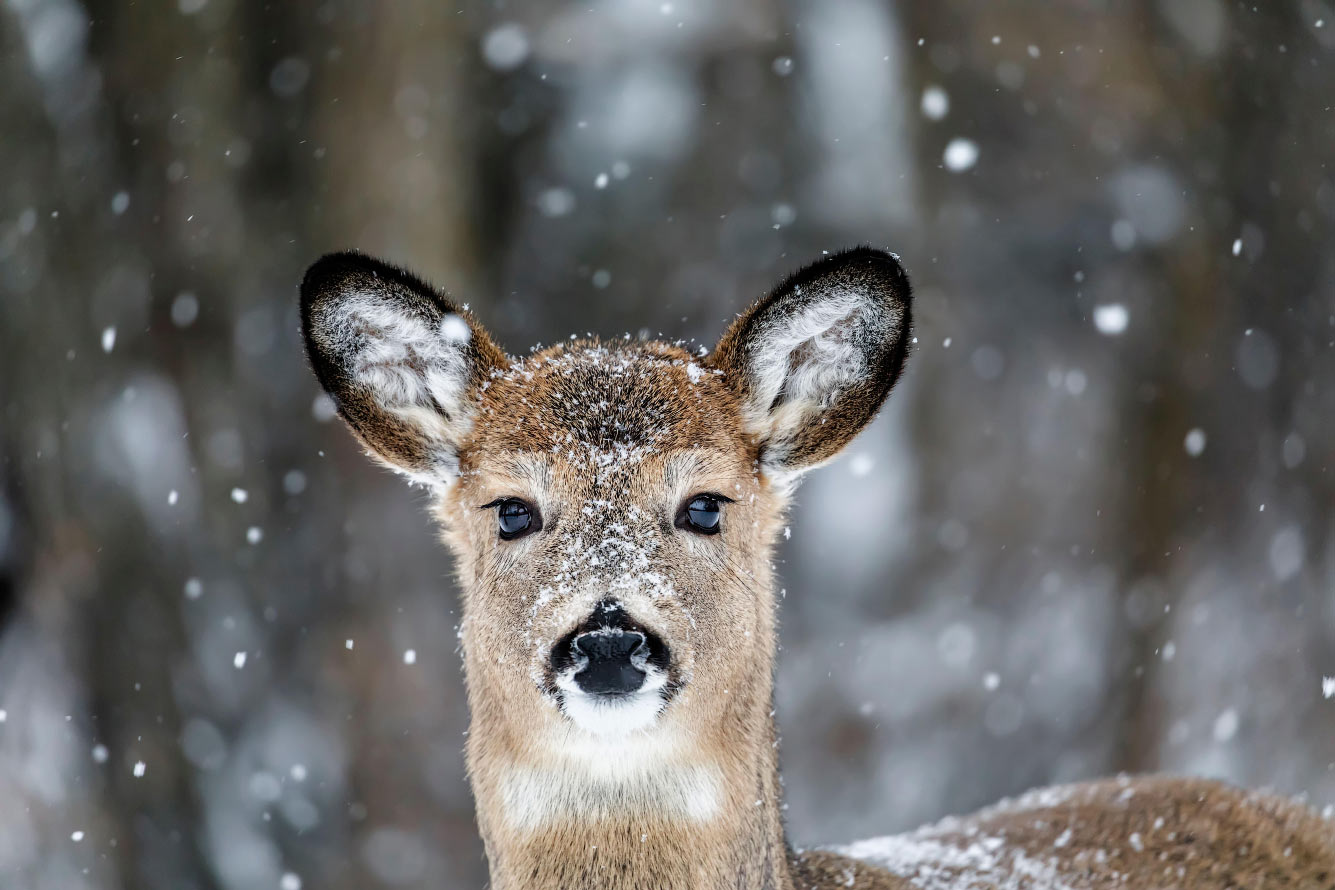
[[702, 514], [515, 518]]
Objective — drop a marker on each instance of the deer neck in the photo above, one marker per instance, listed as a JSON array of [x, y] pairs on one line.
[[669, 809]]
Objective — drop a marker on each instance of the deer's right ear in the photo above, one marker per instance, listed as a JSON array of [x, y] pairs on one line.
[[401, 363]]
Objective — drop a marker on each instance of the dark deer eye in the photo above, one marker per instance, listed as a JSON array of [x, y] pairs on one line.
[[701, 514], [515, 518]]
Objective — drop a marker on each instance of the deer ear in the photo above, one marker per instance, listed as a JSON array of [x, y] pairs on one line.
[[814, 361], [401, 363]]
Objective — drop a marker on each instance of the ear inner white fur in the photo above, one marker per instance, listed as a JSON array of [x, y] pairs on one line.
[[816, 359], [398, 361], [408, 365], [801, 366]]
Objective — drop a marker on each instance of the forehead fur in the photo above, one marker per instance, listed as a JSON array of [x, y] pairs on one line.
[[626, 400]]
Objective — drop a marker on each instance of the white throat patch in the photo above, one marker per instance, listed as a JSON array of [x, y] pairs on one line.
[[594, 781]]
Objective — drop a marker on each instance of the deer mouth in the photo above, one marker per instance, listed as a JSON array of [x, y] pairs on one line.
[[611, 675]]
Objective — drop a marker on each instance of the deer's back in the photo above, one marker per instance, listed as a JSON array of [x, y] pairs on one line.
[[1151, 833]]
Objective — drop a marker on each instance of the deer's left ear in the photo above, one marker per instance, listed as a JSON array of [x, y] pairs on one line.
[[815, 359]]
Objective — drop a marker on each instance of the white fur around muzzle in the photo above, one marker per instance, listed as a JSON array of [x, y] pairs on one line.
[[613, 717]]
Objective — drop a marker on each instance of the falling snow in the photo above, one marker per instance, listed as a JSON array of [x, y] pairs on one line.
[[1120, 443], [1225, 726], [935, 103], [960, 155], [1111, 318], [1194, 443], [505, 47]]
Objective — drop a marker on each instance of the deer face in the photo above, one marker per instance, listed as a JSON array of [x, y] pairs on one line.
[[611, 506], [606, 521]]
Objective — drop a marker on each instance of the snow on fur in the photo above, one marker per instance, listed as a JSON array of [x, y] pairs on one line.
[[412, 368]]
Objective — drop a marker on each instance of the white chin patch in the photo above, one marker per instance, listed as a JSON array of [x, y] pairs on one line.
[[613, 716]]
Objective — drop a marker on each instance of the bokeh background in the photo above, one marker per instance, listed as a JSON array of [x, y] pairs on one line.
[[1094, 531]]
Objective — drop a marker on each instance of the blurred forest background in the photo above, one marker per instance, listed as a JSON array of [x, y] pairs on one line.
[[1095, 530]]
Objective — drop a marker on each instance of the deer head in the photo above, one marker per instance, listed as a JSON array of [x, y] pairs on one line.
[[612, 508]]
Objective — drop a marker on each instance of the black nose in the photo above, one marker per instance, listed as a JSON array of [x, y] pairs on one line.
[[610, 653], [610, 656]]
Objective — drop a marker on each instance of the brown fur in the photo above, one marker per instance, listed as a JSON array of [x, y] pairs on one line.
[[605, 441], [1146, 832]]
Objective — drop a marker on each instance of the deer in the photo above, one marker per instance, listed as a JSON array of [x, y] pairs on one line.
[[612, 507]]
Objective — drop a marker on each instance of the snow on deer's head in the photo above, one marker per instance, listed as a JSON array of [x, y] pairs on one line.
[[612, 505]]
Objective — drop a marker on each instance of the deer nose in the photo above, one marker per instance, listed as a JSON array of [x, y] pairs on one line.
[[612, 661]]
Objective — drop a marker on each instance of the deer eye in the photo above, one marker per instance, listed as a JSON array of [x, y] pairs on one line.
[[515, 518], [701, 514]]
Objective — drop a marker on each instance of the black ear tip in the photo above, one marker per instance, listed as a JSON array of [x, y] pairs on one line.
[[340, 261], [337, 273], [882, 265], [333, 269], [328, 272], [878, 271], [865, 253]]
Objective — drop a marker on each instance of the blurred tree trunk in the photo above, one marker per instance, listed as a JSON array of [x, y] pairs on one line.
[[1239, 355], [1212, 121], [1220, 126], [91, 596], [397, 169]]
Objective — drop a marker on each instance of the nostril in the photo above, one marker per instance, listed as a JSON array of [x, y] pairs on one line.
[[602, 645], [610, 661]]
